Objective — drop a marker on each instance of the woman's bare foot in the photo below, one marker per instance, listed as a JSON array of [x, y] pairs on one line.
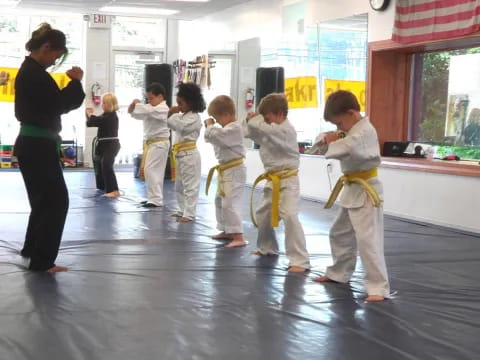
[[222, 236], [374, 298], [322, 279], [183, 220], [296, 269], [113, 194], [56, 269]]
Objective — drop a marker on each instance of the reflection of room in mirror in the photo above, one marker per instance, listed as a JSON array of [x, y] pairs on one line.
[[335, 50]]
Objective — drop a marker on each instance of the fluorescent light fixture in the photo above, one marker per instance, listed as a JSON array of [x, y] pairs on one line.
[[9, 3], [137, 10]]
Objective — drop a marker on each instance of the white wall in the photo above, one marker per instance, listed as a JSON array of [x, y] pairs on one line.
[[441, 199], [97, 51]]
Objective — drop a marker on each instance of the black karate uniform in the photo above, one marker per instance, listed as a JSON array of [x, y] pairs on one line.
[[39, 102], [106, 150]]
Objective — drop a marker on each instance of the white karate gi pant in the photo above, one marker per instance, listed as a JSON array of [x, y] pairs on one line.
[[295, 246], [187, 182], [154, 171], [228, 208], [362, 229]]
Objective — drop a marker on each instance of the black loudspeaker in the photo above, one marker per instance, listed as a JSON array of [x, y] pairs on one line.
[[394, 148], [269, 80], [163, 74]]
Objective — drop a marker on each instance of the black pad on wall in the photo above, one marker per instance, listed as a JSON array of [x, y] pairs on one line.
[[269, 80], [163, 74]]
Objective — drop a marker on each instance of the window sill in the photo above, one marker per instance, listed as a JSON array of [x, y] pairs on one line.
[[460, 168]]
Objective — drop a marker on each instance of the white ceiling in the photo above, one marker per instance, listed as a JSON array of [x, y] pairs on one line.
[[187, 10]]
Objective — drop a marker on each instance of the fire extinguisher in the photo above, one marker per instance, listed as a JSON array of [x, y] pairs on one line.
[[96, 98], [249, 98]]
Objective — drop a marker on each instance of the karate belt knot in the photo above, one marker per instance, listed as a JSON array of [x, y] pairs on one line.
[[178, 147], [275, 177], [146, 146], [357, 177], [221, 168]]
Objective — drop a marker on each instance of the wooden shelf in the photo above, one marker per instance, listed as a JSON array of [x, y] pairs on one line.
[[460, 168]]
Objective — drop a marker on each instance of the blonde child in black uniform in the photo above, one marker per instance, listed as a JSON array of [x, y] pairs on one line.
[[108, 145]]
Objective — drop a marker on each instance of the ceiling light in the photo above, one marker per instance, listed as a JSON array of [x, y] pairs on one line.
[[137, 10], [9, 3]]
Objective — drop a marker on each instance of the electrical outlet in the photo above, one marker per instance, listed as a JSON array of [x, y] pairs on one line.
[[329, 167]]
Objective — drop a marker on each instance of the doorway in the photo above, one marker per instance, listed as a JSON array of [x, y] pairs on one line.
[[128, 84]]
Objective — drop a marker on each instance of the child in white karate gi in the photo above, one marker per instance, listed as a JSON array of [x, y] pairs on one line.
[[359, 224], [281, 195], [156, 137], [227, 141], [184, 119]]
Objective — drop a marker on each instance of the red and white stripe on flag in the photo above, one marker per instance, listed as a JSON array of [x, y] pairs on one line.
[[423, 20]]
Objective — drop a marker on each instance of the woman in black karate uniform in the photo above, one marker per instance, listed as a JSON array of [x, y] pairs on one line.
[[107, 145], [38, 105]]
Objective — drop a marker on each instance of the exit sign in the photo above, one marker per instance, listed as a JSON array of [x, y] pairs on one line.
[[98, 21]]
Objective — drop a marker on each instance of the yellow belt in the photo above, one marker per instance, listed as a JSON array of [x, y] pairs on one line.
[[358, 177], [221, 168], [274, 177], [181, 146], [146, 146]]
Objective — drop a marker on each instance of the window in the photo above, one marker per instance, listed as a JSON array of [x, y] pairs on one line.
[[13, 36], [15, 30], [136, 42], [138, 32], [446, 102]]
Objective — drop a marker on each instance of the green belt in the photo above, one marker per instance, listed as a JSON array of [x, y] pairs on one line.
[[36, 131]]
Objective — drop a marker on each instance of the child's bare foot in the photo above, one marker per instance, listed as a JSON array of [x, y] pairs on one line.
[[322, 279], [374, 298], [113, 194], [237, 241], [222, 236], [296, 269], [183, 220], [56, 269], [259, 253]]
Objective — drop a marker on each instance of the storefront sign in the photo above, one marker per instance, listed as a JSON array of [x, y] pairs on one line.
[[356, 87], [301, 92], [7, 92]]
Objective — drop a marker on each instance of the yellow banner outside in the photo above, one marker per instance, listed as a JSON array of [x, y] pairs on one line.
[[7, 92], [301, 92], [356, 87]]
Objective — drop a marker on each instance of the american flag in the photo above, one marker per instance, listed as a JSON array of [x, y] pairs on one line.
[[423, 20]]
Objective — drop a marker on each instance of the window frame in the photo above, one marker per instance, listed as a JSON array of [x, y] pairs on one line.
[[389, 94]]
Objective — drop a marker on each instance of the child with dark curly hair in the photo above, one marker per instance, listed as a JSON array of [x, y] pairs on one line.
[[184, 120]]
